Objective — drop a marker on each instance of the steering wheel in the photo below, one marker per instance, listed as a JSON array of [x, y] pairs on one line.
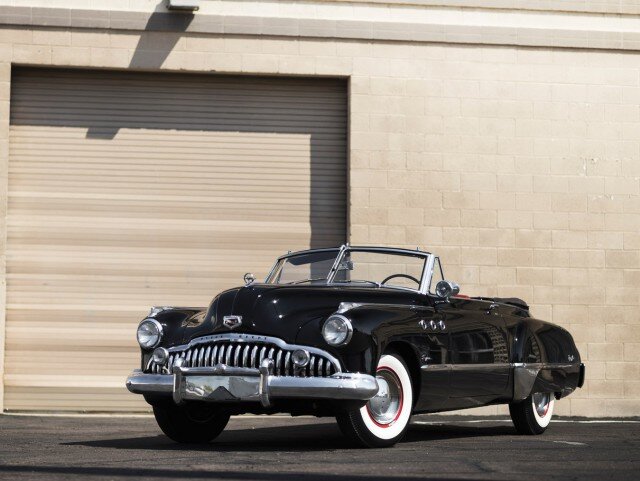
[[406, 276]]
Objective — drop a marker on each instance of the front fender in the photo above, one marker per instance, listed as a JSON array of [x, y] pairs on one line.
[[174, 321], [374, 328]]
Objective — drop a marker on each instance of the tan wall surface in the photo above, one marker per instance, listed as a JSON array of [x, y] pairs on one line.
[[631, 7], [520, 166]]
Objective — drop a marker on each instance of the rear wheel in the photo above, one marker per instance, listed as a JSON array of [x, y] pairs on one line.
[[533, 415], [383, 421], [192, 423]]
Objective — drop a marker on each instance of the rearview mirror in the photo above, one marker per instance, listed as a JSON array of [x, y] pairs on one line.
[[446, 289], [346, 266], [249, 278]]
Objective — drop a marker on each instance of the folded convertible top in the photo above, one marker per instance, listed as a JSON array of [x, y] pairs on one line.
[[512, 301]]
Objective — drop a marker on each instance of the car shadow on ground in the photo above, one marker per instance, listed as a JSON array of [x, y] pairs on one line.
[[64, 472], [306, 437]]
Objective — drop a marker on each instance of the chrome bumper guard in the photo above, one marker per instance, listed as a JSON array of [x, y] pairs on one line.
[[222, 383]]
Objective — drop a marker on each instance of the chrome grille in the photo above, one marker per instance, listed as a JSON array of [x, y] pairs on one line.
[[249, 354]]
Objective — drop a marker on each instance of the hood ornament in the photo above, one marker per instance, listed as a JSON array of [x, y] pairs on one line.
[[232, 321]]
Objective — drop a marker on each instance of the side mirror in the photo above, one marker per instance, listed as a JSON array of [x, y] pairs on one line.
[[249, 278], [446, 289]]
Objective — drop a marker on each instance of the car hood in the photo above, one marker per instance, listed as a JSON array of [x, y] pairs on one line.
[[281, 311]]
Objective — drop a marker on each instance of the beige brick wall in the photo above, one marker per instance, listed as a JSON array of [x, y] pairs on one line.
[[519, 166]]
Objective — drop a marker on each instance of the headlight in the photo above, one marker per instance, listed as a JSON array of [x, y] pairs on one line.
[[149, 333], [337, 330]]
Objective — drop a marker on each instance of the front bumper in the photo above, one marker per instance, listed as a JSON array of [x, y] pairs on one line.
[[222, 383]]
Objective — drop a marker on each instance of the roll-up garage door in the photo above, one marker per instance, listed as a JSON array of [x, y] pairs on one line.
[[128, 190]]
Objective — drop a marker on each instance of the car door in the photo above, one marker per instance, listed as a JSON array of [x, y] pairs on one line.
[[478, 350]]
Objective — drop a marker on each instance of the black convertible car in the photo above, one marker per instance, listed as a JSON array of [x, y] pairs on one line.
[[369, 335]]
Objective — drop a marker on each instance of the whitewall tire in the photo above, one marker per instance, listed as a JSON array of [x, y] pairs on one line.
[[383, 421], [533, 415]]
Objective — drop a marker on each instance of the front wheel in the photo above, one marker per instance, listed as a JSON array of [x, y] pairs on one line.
[[533, 415], [192, 423], [383, 421]]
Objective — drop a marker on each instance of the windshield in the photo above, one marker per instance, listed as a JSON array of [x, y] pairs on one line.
[[363, 267], [307, 267]]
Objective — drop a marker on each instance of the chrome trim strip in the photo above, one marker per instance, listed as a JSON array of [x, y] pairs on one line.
[[436, 367], [251, 338], [397, 250], [466, 367], [546, 365], [414, 307]]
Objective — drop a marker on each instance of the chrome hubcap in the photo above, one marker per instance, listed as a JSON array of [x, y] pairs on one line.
[[385, 406], [541, 402]]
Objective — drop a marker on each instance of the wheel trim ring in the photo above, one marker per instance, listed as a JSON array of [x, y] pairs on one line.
[[537, 404], [400, 400]]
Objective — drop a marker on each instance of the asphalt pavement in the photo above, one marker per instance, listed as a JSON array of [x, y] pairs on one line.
[[307, 449]]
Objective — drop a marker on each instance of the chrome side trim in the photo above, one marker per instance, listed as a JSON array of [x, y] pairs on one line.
[[466, 367], [347, 306], [240, 338], [480, 367], [436, 367], [414, 307]]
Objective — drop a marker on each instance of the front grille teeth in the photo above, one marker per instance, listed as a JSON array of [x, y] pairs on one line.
[[247, 355]]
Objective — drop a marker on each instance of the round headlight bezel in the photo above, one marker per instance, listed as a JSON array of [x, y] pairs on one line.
[[157, 326], [348, 330]]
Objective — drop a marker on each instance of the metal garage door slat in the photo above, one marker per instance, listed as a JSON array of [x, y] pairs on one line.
[[134, 189]]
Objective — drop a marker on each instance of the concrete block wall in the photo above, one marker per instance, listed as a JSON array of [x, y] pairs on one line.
[[519, 166]]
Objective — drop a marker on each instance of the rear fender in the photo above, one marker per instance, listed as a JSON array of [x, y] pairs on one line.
[[545, 359]]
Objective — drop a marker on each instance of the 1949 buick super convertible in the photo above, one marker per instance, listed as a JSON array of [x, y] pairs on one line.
[[369, 335]]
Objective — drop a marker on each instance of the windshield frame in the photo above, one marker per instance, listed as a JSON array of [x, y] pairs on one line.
[[427, 271]]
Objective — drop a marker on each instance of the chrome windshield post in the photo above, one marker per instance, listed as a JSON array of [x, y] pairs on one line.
[[427, 274], [336, 263]]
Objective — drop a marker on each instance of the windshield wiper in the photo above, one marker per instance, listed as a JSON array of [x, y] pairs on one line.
[[377, 284], [308, 280]]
